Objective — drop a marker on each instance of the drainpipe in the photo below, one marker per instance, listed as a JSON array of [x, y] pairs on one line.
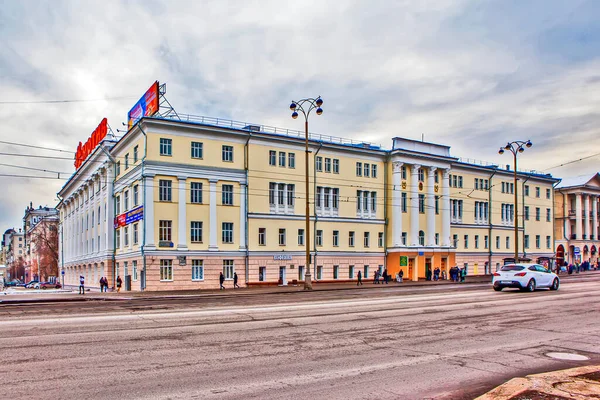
[[490, 252], [315, 210], [523, 214], [246, 167]]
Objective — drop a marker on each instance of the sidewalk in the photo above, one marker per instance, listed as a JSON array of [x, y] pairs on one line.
[[94, 294], [574, 383]]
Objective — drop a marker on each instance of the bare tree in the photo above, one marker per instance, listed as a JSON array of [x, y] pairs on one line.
[[45, 239]]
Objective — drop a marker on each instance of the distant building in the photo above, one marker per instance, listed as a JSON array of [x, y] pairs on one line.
[[14, 248], [41, 242]]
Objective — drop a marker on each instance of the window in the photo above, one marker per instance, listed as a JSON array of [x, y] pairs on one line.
[[336, 272], [404, 238], [135, 233], [481, 211], [422, 204], [526, 241], [282, 236], [126, 161], [125, 201], [548, 215], [319, 238], [227, 195], [456, 207], [98, 215], [196, 192], [404, 202], [537, 192], [508, 212], [262, 236], [117, 205], [336, 238], [366, 272], [135, 154], [196, 232], [476, 241], [455, 240], [228, 269], [422, 238], [197, 150], [227, 153], [291, 160], [262, 274], [336, 166], [421, 174], [92, 218], [497, 242], [537, 213], [367, 170], [166, 147], [319, 272], [136, 197], [272, 157], [374, 170], [227, 232], [197, 270], [164, 190], [290, 195], [351, 238], [367, 238], [134, 276], [526, 212], [403, 172], [166, 270], [508, 242], [526, 190], [537, 241], [364, 205], [118, 168], [282, 158], [351, 272], [164, 230], [548, 240], [466, 241], [380, 239], [358, 169], [327, 164], [437, 239], [319, 164], [126, 236], [437, 205], [486, 241], [548, 194], [300, 237], [460, 181], [117, 238]]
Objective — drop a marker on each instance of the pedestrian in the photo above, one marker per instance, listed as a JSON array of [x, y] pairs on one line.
[[428, 274], [221, 280], [436, 274], [81, 284], [386, 277], [119, 283], [401, 273], [105, 284], [235, 281], [444, 275], [463, 274], [101, 284], [359, 282]]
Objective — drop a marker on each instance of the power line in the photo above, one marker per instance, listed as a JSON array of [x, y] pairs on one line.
[[34, 169], [36, 147], [574, 161], [66, 101]]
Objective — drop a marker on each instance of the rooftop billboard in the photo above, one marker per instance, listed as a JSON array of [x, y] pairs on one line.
[[145, 107]]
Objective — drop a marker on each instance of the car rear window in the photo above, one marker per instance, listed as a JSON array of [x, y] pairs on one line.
[[512, 268]]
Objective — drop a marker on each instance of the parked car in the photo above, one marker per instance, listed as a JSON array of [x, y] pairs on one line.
[[526, 277], [30, 284], [13, 283], [47, 285]]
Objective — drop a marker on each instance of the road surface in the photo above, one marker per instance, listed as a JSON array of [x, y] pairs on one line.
[[429, 342]]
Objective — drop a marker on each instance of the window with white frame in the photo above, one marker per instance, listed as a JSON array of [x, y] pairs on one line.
[[456, 207], [281, 197], [327, 164], [486, 242], [126, 161], [336, 238], [351, 236], [336, 166], [164, 230], [117, 168], [166, 270], [421, 174], [272, 157], [481, 212], [526, 241], [497, 242], [525, 190], [197, 270], [336, 272], [135, 154], [262, 236], [537, 192], [436, 203], [227, 153], [319, 164], [366, 204], [227, 232], [358, 169], [196, 192], [404, 238], [125, 201], [282, 158], [164, 190], [351, 272], [135, 233], [403, 172], [548, 194], [508, 242], [403, 202], [437, 239], [548, 240], [282, 236], [548, 215], [134, 271], [118, 205], [196, 231], [380, 239], [374, 170], [367, 239], [367, 170], [508, 213], [166, 147], [118, 238], [422, 238], [125, 236], [327, 200], [421, 204], [197, 150], [537, 214], [537, 241], [319, 238], [291, 160], [228, 269], [300, 237], [476, 241], [526, 213], [136, 196], [227, 195]]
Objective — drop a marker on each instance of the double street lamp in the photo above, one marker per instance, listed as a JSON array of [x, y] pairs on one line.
[[516, 147], [305, 106]]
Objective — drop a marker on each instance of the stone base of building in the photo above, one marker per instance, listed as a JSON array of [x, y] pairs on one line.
[[91, 270]]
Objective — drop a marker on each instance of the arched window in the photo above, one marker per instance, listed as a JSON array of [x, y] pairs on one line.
[[421, 238]]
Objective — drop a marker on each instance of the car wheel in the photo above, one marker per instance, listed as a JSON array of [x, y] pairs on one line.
[[531, 285], [555, 284], [498, 288], [43, 288]]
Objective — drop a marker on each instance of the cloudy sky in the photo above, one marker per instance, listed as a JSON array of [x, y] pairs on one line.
[[469, 74]]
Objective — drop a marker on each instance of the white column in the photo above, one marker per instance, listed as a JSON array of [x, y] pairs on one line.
[[397, 204], [414, 205], [182, 220], [212, 244], [243, 215], [110, 209], [149, 212], [595, 217], [578, 217], [445, 206], [588, 219], [430, 207]]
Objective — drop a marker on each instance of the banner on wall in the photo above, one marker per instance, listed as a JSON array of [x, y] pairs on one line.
[[129, 217], [145, 107]]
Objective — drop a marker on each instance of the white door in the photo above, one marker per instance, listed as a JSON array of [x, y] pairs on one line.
[[282, 276]]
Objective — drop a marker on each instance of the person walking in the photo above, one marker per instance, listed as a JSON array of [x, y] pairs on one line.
[[359, 282], [401, 274], [386, 277], [81, 284], [105, 284], [119, 283], [221, 280], [235, 281], [436, 274], [101, 284], [463, 274]]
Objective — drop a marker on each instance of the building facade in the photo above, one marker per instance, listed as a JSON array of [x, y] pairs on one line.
[[576, 212], [41, 242], [15, 256], [173, 204]]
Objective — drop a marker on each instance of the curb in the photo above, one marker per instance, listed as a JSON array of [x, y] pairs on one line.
[[575, 383]]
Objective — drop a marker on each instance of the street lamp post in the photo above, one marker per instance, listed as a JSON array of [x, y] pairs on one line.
[[305, 106], [516, 147]]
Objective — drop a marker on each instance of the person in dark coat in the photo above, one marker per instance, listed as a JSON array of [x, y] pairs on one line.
[[221, 280], [81, 284], [119, 283], [401, 273], [385, 276], [436, 274], [359, 282], [235, 281]]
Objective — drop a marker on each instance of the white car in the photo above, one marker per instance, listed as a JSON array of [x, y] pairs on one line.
[[526, 277]]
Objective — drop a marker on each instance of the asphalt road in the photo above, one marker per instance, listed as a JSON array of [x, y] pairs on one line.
[[394, 343]]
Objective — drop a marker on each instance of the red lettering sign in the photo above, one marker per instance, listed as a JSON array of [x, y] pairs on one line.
[[83, 151]]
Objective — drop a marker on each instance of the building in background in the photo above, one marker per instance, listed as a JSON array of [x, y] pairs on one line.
[[41, 243], [576, 214], [15, 256]]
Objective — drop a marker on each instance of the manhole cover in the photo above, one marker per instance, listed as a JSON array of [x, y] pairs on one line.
[[567, 356]]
